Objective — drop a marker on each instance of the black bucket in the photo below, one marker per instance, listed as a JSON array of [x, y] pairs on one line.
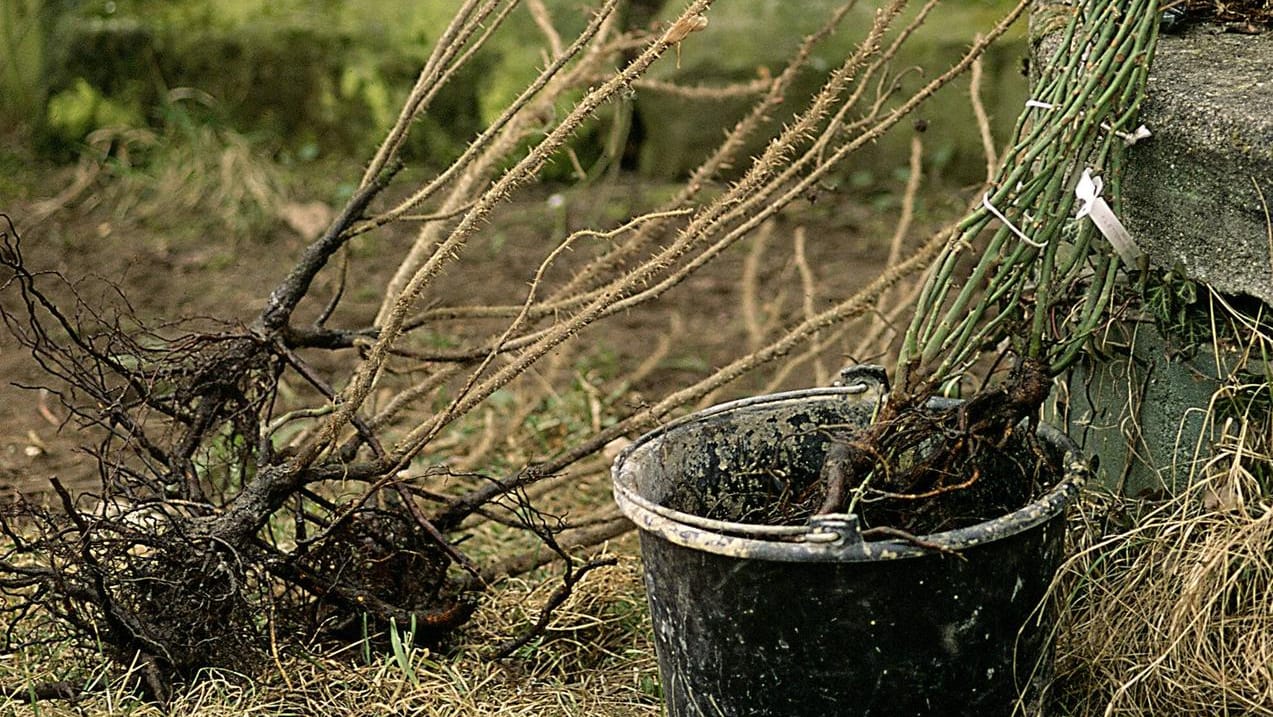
[[756, 619]]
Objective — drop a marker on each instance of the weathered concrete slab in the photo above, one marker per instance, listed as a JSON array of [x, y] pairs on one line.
[[1192, 194]]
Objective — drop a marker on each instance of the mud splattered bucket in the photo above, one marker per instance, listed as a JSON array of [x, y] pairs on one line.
[[759, 619]]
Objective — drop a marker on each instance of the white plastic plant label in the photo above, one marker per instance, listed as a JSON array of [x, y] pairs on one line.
[[1093, 205]]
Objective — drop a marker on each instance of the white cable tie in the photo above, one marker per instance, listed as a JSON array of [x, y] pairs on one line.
[[985, 202], [1136, 135], [1092, 205], [1129, 138]]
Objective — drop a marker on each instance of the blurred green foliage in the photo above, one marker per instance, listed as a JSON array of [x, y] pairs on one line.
[[82, 108], [23, 33], [747, 39], [311, 78]]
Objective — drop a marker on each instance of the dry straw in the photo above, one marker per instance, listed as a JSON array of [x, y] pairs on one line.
[[1167, 608]]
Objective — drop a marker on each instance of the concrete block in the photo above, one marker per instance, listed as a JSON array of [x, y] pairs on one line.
[[1142, 411], [1192, 193]]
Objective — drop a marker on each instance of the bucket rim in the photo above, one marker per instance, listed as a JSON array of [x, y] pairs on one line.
[[797, 543]]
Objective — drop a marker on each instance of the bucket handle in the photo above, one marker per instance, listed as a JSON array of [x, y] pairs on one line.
[[834, 528], [829, 528], [861, 377], [841, 529]]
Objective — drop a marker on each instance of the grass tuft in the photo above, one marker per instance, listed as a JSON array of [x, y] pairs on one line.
[[1168, 606], [596, 658]]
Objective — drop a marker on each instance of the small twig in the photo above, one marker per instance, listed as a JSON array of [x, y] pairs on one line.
[[310, 375], [809, 290], [983, 120], [272, 622], [59, 690], [1268, 220], [571, 539], [879, 324], [460, 558], [330, 308], [465, 355], [976, 474], [708, 93], [426, 218], [753, 314], [543, 20], [300, 413], [559, 596], [68, 505]]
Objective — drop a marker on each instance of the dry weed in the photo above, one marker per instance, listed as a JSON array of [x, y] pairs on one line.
[[188, 167], [594, 659], [1174, 615]]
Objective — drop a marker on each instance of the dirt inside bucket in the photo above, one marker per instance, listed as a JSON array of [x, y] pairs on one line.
[[918, 467], [988, 481]]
